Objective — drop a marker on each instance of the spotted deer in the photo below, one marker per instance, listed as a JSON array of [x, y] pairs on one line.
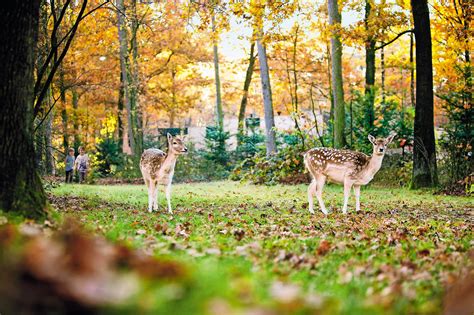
[[350, 168], [157, 168]]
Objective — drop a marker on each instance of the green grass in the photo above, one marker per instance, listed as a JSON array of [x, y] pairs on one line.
[[245, 245]]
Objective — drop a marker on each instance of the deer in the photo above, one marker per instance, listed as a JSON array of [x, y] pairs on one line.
[[350, 168], [157, 168]]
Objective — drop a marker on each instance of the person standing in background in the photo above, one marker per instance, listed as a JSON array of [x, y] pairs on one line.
[[82, 164], [70, 159]]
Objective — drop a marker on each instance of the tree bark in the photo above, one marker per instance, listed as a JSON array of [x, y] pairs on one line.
[[20, 186], [219, 111], [137, 118], [120, 113], [424, 151], [270, 140], [124, 66], [412, 73], [248, 80], [336, 69], [369, 68]]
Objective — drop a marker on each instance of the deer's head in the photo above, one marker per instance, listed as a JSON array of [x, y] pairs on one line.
[[380, 144], [176, 145]]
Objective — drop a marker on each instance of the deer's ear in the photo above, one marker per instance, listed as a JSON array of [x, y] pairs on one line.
[[372, 139], [169, 136], [390, 138]]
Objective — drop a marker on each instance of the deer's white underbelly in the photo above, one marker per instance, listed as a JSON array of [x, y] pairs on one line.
[[165, 178], [363, 180], [335, 173]]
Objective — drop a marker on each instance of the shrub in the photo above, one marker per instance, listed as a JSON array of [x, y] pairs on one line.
[[196, 166], [108, 158], [216, 150], [457, 138], [286, 166]]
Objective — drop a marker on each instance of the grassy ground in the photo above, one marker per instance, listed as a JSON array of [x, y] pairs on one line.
[[257, 248]]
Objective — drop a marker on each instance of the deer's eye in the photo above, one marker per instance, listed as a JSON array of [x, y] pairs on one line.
[[175, 142]]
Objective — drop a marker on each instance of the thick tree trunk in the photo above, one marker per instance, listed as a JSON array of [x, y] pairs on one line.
[[270, 140], [120, 114], [137, 117], [219, 111], [424, 151], [369, 68], [336, 69], [248, 80], [412, 73], [124, 67], [20, 186]]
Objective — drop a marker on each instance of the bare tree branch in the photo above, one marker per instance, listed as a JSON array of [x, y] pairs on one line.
[[394, 39]]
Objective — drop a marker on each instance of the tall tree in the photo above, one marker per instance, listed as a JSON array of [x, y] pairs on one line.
[[124, 69], [270, 140], [136, 112], [20, 186], [336, 70], [370, 65], [248, 80], [424, 151], [219, 111]]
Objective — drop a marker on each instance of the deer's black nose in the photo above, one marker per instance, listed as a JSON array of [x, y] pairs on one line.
[[381, 150]]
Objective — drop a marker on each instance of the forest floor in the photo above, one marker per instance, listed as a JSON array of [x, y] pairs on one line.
[[257, 250]]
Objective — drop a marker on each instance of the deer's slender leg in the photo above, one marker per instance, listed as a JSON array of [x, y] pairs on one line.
[[320, 180], [155, 197], [357, 195], [311, 192], [151, 189], [347, 191], [168, 197]]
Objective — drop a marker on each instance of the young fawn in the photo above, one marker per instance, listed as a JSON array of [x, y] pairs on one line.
[[344, 167], [157, 168]]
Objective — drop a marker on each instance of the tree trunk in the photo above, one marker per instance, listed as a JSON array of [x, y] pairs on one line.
[[424, 151], [137, 118], [412, 73], [219, 111], [382, 66], [331, 97], [369, 69], [20, 186], [48, 135], [248, 80], [124, 66], [270, 140], [64, 114], [120, 114], [75, 122], [336, 69]]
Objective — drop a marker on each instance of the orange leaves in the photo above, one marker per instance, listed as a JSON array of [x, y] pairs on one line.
[[324, 248]]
